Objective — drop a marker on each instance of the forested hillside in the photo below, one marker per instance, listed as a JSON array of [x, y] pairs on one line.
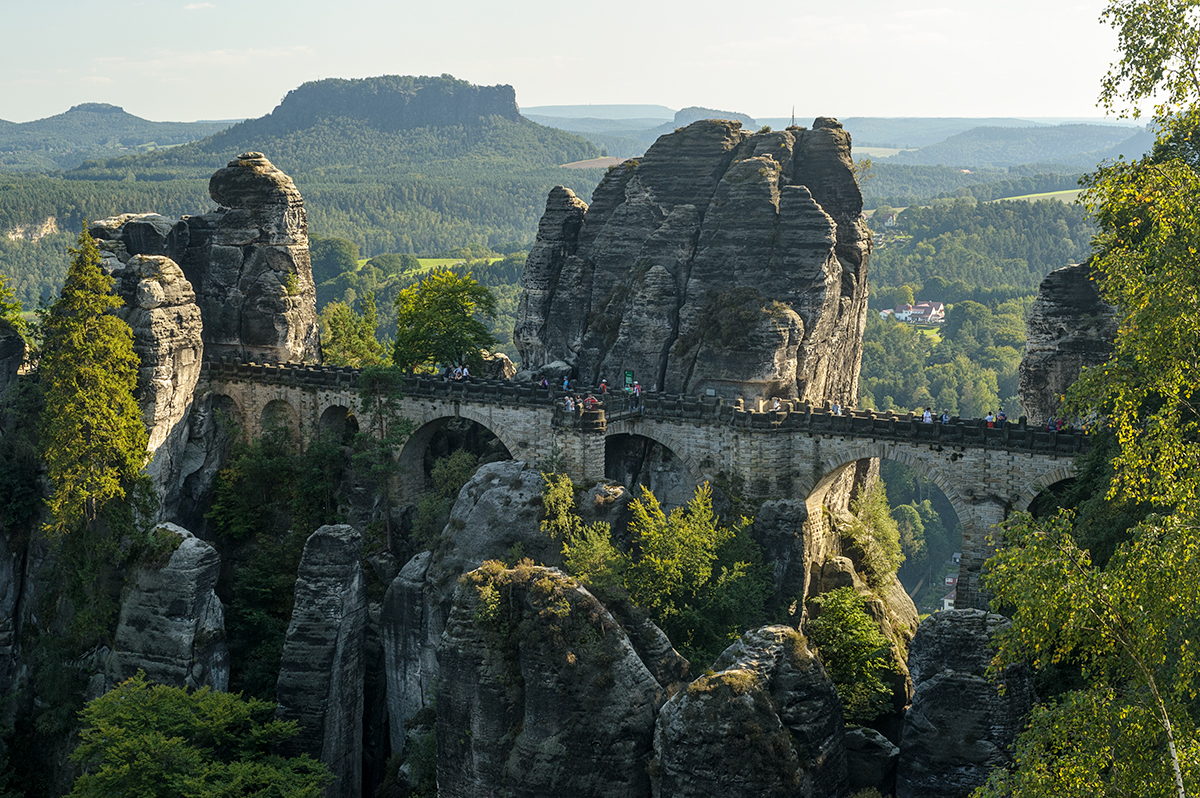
[[89, 130], [396, 164], [1077, 145]]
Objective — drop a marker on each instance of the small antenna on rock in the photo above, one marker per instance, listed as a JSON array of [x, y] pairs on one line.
[[793, 116]]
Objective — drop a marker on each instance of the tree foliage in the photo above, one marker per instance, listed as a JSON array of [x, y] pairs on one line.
[[855, 653], [441, 321], [348, 337], [151, 740], [93, 438], [873, 537]]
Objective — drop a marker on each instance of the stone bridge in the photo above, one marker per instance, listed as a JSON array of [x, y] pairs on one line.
[[797, 452]]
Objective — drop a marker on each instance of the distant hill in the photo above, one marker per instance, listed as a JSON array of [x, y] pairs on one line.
[[90, 130], [1079, 145], [395, 164], [658, 113], [630, 137]]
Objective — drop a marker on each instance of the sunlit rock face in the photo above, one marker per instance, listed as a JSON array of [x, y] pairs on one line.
[[1070, 327], [720, 261], [250, 265]]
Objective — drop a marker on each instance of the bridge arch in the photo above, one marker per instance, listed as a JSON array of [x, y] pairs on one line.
[[279, 412], [1045, 480], [425, 426], [337, 420], [628, 458]]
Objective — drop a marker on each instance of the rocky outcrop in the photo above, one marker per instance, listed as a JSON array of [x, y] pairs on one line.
[[765, 721], [497, 513], [321, 672], [721, 260], [250, 265], [541, 692], [1069, 327], [172, 625], [160, 308], [870, 760], [961, 724], [779, 530]]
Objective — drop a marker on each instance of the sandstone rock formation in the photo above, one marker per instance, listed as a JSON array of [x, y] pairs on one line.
[[250, 265], [541, 692], [721, 260], [1069, 327], [960, 726], [160, 308], [497, 513], [870, 760], [767, 722], [172, 625], [321, 673], [779, 529]]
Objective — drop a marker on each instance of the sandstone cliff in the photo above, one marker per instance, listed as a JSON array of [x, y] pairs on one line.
[[172, 624], [542, 692], [1069, 327], [764, 721], [721, 260], [12, 353], [321, 672], [961, 723]]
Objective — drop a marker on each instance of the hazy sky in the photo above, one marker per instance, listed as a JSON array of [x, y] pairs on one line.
[[218, 59]]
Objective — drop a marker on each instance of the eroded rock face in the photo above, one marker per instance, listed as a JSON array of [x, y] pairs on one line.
[[172, 624], [720, 260], [541, 692], [250, 265], [767, 722], [1069, 327], [321, 673], [959, 727], [497, 513]]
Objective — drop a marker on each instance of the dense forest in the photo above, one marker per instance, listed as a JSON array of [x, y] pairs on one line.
[[1078, 145], [901, 185]]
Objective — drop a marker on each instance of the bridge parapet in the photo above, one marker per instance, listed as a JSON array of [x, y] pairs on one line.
[[792, 418]]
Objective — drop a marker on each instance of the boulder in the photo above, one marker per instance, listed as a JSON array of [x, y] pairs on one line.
[[541, 692], [961, 724], [1069, 327], [172, 625], [870, 760], [720, 261], [764, 721], [497, 366], [321, 673]]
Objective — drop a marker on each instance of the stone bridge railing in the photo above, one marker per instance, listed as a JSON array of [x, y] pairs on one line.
[[795, 416]]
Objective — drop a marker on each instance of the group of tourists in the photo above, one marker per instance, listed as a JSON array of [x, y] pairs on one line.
[[458, 374]]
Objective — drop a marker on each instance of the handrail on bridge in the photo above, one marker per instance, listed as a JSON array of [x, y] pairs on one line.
[[794, 415]]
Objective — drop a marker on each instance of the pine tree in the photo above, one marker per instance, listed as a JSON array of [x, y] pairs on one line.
[[93, 438]]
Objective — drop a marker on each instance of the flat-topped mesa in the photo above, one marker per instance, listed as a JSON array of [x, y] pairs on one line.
[[721, 262], [249, 263]]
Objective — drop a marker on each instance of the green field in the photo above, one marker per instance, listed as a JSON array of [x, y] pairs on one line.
[[1062, 196]]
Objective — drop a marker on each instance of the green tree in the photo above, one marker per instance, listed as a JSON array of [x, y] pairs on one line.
[[93, 438], [10, 307], [903, 296], [331, 256], [854, 651], [348, 338], [1127, 630], [702, 582], [588, 551], [151, 740], [872, 536], [380, 390], [441, 320], [392, 264]]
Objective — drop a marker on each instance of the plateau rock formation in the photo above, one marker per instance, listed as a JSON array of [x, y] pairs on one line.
[[960, 725], [721, 260], [321, 673], [172, 625], [1069, 327], [766, 721], [542, 692]]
